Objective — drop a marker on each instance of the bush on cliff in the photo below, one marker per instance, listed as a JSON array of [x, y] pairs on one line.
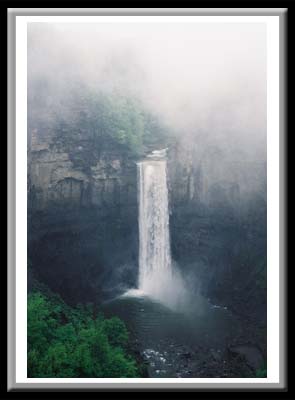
[[108, 121]]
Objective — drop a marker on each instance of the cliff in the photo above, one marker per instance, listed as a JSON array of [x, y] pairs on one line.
[[83, 229], [218, 226], [82, 216]]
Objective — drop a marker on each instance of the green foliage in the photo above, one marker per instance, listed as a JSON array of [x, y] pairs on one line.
[[65, 342], [261, 372], [126, 122], [115, 330], [108, 119]]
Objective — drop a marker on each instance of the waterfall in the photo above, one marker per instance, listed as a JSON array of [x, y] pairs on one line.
[[156, 276]]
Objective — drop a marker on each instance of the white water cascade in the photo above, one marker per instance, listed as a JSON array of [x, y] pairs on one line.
[[157, 278]]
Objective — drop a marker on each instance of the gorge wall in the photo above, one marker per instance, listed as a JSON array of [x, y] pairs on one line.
[[82, 216], [83, 228], [218, 226]]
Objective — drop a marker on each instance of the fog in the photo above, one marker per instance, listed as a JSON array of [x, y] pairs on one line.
[[206, 79]]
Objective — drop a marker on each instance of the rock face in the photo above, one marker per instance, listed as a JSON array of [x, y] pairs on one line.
[[218, 226], [82, 216], [207, 176], [58, 174]]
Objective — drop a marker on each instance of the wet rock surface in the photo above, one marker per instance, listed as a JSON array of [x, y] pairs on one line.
[[180, 361]]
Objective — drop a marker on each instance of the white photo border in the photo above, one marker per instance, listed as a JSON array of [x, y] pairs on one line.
[[274, 375]]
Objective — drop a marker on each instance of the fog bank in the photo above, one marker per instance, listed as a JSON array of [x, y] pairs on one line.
[[202, 79]]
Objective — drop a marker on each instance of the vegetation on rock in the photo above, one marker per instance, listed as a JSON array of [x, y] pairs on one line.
[[108, 121]]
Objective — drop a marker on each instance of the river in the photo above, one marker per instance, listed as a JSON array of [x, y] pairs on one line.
[[179, 344]]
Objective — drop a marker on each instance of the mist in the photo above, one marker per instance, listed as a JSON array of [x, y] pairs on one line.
[[204, 80]]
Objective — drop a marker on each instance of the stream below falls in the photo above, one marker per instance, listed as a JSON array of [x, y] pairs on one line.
[[174, 344]]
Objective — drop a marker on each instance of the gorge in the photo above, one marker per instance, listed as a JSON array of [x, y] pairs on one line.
[[147, 190], [89, 252]]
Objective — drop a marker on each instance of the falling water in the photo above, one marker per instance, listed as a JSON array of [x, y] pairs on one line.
[[156, 275]]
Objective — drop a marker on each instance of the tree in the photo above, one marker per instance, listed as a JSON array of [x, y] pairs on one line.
[[81, 347]]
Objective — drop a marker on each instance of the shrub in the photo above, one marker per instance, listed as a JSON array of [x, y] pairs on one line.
[[81, 347]]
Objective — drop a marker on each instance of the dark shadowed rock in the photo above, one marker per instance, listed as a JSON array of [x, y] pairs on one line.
[[250, 353]]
